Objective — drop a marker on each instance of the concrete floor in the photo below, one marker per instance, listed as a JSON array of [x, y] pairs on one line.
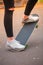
[[33, 55]]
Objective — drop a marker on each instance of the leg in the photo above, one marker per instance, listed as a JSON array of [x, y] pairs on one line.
[[27, 17], [9, 8], [30, 5], [8, 23], [11, 42]]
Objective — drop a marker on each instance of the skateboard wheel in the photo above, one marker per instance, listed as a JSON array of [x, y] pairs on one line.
[[26, 46], [36, 26]]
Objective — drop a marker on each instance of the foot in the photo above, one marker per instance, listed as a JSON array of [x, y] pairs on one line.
[[15, 45], [31, 18]]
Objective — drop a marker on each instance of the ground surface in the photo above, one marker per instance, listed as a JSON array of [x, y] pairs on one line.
[[33, 55]]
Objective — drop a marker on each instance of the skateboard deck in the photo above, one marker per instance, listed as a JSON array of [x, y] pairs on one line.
[[26, 31]]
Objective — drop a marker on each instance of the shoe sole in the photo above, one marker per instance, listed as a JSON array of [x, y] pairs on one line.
[[16, 49], [30, 22]]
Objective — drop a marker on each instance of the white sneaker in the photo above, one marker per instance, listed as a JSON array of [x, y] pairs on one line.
[[15, 45], [32, 18]]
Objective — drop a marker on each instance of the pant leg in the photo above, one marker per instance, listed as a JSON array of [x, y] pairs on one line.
[[8, 4], [29, 6], [8, 17], [8, 23]]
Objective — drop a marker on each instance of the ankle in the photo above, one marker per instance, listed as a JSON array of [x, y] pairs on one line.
[[10, 38], [25, 17]]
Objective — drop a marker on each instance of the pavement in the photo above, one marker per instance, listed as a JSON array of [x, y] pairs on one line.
[[33, 55]]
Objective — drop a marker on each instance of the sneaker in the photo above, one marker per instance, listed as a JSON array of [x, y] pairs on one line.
[[15, 45], [32, 18]]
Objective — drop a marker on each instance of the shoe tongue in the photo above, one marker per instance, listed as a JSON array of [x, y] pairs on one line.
[[16, 41]]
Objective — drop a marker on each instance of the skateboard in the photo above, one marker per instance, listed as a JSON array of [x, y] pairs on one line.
[[26, 32]]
